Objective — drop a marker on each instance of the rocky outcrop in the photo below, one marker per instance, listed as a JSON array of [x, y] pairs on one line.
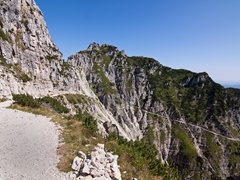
[[181, 112], [31, 63], [26, 50], [96, 165]]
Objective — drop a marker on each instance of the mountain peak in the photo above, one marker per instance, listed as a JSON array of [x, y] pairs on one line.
[[93, 46]]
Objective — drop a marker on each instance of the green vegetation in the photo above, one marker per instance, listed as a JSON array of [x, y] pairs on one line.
[[184, 94], [107, 48], [150, 135], [4, 36], [25, 23], [187, 159], [65, 69], [142, 155], [31, 10], [50, 58], [79, 132], [4, 63], [76, 99], [17, 71], [53, 48], [186, 144], [26, 100], [55, 104], [1, 23], [88, 121], [105, 86], [3, 99], [129, 83], [213, 151], [25, 78], [18, 39]]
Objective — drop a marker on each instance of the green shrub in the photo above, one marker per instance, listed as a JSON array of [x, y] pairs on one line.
[[143, 155], [3, 62], [3, 99], [88, 121], [26, 100], [4, 36], [25, 78], [51, 57], [55, 104]]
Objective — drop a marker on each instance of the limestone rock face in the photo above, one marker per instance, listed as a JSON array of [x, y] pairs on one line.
[[175, 109], [31, 63], [28, 54]]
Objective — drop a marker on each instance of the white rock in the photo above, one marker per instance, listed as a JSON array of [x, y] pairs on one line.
[[81, 154], [85, 169], [96, 173], [117, 175], [76, 165], [101, 146], [101, 178], [87, 178], [94, 154]]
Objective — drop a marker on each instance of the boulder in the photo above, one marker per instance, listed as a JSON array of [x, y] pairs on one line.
[[98, 165], [81, 154], [101, 146], [85, 170], [87, 178], [77, 162]]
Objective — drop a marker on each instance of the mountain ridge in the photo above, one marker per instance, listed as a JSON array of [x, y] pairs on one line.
[[134, 89]]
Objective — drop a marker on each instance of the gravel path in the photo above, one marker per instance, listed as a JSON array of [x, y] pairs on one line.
[[28, 145]]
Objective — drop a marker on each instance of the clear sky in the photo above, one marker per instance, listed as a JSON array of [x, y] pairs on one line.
[[199, 35]]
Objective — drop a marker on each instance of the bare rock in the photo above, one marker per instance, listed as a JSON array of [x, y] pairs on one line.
[[99, 164], [77, 162]]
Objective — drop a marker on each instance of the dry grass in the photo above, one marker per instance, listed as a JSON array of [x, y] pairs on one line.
[[39, 111], [127, 167], [3, 99]]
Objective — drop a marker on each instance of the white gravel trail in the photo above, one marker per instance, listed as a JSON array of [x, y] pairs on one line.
[[28, 145]]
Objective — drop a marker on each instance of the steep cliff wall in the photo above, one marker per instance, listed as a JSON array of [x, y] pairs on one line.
[[191, 119], [26, 49], [31, 63]]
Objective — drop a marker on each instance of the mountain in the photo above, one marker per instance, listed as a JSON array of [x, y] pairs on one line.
[[232, 86], [191, 120]]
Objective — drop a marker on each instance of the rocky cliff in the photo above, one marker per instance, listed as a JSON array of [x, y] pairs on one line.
[[190, 119], [31, 63]]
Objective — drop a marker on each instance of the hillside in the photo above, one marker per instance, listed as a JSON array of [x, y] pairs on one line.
[[189, 118], [186, 116]]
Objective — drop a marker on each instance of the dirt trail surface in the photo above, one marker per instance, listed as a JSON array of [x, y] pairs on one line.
[[28, 145]]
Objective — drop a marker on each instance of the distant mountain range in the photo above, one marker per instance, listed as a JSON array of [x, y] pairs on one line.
[[232, 85]]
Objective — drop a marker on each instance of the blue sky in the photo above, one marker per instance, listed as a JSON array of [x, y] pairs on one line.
[[199, 35]]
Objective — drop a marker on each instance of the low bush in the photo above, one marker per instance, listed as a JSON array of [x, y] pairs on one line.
[[55, 104], [25, 78], [143, 156], [26, 100], [88, 121], [3, 99]]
